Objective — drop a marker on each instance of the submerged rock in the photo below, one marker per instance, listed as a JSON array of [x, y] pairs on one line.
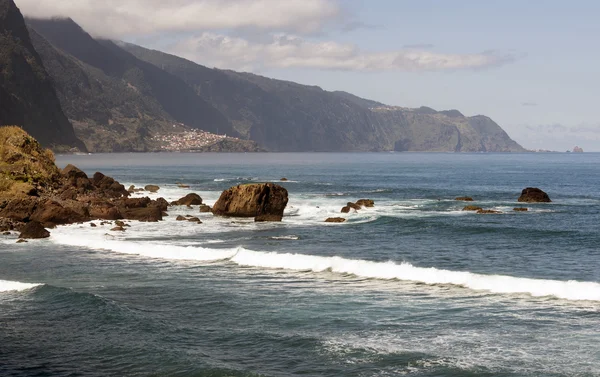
[[487, 212], [472, 208], [520, 209], [264, 201], [533, 195]]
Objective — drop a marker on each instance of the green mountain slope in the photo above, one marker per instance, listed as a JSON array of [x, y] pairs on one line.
[[27, 96], [286, 116], [115, 100]]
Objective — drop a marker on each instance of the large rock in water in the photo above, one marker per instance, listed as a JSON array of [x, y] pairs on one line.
[[263, 201], [534, 195], [32, 230]]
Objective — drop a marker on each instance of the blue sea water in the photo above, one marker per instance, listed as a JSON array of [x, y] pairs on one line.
[[412, 287]]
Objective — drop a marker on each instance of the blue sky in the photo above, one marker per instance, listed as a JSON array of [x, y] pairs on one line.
[[532, 66]]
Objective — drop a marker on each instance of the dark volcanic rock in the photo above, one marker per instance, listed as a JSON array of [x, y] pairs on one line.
[[204, 208], [104, 210], [18, 209], [33, 230], [181, 218], [345, 209], [534, 195], [365, 202], [148, 214], [188, 200], [520, 209], [77, 179], [50, 213], [266, 201], [108, 187], [151, 188], [355, 206], [464, 198], [335, 220]]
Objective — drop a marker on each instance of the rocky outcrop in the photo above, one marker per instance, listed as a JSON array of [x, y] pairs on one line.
[[191, 199], [33, 230], [464, 199], [263, 201], [488, 212], [335, 220], [534, 195], [365, 203]]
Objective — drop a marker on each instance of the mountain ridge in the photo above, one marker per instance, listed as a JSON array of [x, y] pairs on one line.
[[134, 92]]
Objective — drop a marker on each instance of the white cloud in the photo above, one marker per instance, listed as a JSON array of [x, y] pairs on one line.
[[288, 51], [131, 18]]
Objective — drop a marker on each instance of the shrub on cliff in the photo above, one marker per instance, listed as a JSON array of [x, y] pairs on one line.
[[25, 166]]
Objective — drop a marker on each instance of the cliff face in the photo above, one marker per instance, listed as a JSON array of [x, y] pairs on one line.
[[286, 116], [27, 95], [118, 95], [115, 100]]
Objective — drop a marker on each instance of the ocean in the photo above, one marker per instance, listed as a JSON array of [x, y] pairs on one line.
[[411, 287]]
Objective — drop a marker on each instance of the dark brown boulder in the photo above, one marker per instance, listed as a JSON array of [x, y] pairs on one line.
[[534, 195], [283, 179], [520, 209], [194, 220], [104, 210], [253, 200], [464, 199], [366, 203], [335, 220], [18, 209], [151, 188], [75, 178], [355, 206], [20, 240], [346, 209], [160, 203], [135, 202], [188, 200], [204, 208], [148, 214], [108, 187], [181, 218], [50, 213], [118, 229], [33, 230], [472, 208]]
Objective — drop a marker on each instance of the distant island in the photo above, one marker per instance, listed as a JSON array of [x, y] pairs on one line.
[[74, 92]]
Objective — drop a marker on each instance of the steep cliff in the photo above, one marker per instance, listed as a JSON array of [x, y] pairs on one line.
[[286, 116], [27, 96], [115, 100]]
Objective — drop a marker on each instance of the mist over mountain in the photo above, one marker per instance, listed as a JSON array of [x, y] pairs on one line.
[[27, 96]]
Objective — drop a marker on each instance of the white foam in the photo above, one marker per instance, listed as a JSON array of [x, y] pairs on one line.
[[569, 290], [290, 237], [502, 284], [6, 285]]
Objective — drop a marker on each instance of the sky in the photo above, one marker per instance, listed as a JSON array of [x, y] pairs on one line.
[[532, 66]]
